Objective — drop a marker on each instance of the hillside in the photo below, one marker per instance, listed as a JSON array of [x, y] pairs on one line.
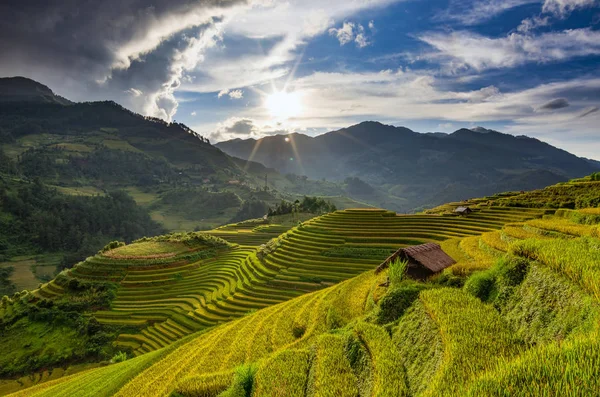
[[123, 176], [408, 170], [353, 338], [266, 306]]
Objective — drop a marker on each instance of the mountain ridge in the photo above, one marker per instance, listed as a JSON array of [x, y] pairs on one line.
[[420, 165]]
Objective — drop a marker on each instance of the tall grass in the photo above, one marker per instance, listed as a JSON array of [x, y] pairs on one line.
[[569, 369], [333, 375], [389, 378], [284, 374], [578, 259], [397, 271], [474, 336]]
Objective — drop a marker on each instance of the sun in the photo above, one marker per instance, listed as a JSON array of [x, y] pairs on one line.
[[284, 105]]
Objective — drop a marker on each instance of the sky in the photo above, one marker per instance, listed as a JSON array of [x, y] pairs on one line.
[[250, 68]]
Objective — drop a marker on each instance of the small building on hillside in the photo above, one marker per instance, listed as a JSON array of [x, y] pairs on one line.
[[423, 260], [462, 210]]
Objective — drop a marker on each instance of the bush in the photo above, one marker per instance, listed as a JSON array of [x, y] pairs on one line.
[[482, 284], [393, 305], [111, 246], [119, 358]]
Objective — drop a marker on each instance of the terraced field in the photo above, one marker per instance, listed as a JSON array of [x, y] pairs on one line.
[[325, 340], [168, 290]]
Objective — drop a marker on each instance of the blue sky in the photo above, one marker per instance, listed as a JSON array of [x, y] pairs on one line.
[[260, 67]]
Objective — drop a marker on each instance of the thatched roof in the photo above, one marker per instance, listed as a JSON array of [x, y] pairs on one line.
[[430, 256]]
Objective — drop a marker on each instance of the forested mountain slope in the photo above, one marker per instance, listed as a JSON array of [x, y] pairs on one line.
[[422, 169]]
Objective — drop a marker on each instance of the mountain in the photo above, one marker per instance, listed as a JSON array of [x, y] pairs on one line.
[[417, 169], [22, 89]]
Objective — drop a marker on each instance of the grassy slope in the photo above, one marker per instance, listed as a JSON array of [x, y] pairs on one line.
[[460, 328]]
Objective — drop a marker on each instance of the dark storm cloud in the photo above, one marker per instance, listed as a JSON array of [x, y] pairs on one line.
[[88, 49], [554, 104]]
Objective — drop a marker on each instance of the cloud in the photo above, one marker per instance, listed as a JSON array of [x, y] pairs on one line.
[[463, 49], [345, 34], [530, 24], [555, 104], [236, 94], [128, 51], [134, 92], [589, 110], [245, 127], [479, 11], [273, 34], [446, 126], [352, 32], [233, 94], [562, 8], [193, 114]]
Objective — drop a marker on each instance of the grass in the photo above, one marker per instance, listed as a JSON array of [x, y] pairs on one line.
[[333, 375], [578, 259], [285, 374], [23, 275], [474, 337], [147, 249], [568, 369]]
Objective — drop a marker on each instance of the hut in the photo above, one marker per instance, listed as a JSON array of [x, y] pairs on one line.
[[423, 260], [463, 210]]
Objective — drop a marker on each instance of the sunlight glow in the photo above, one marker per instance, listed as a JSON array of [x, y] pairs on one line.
[[284, 105]]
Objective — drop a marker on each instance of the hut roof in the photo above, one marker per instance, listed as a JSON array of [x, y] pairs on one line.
[[462, 209], [429, 255]]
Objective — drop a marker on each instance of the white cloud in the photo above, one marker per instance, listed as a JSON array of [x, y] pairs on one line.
[[193, 114], [134, 92], [478, 11], [352, 32], [466, 49], [446, 126], [345, 34], [562, 8], [236, 94], [233, 94], [530, 24]]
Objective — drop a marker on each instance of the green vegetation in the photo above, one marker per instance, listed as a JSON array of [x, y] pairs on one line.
[[311, 205]]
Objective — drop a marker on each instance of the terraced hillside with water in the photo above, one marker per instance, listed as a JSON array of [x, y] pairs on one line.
[[304, 314]]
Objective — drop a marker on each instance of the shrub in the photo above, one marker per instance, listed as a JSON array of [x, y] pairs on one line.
[[119, 358], [481, 284], [111, 246], [397, 300]]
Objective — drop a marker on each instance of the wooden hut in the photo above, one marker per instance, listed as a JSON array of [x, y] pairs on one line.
[[463, 210], [423, 260]]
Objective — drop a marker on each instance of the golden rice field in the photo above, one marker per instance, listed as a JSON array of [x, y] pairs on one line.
[[294, 312], [168, 289]]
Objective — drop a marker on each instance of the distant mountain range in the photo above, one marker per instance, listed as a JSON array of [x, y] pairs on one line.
[[417, 169]]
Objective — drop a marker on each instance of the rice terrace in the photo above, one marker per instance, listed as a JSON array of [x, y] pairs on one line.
[[258, 308]]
